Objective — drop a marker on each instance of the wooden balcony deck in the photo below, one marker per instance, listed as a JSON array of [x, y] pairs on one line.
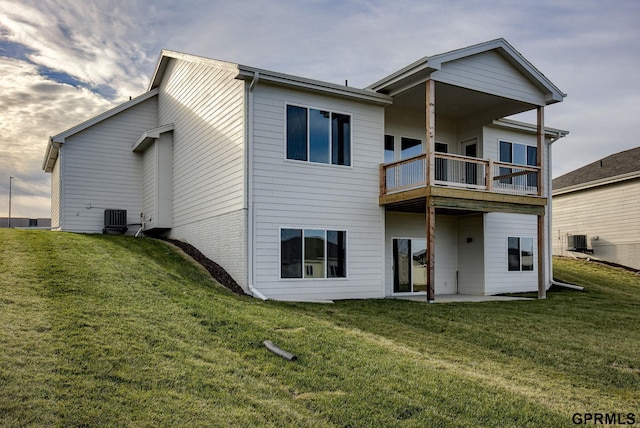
[[461, 183]]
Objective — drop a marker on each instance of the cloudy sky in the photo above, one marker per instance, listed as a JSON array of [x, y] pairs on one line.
[[64, 61]]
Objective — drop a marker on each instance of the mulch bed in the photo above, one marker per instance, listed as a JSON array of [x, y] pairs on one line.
[[216, 271]]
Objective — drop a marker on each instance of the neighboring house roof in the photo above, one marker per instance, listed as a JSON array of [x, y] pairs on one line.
[[244, 72], [54, 142], [617, 167], [421, 69]]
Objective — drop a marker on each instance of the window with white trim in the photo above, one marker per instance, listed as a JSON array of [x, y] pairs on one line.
[[313, 253], [319, 136], [520, 254], [519, 154]]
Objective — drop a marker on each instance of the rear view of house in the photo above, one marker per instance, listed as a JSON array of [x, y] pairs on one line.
[[308, 190]]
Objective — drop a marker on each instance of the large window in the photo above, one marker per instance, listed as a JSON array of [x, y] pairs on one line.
[[318, 136], [520, 254], [313, 253], [519, 154]]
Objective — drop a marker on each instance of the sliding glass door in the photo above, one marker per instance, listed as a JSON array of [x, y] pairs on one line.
[[409, 265]]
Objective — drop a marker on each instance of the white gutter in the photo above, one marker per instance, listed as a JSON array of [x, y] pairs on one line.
[[250, 210]]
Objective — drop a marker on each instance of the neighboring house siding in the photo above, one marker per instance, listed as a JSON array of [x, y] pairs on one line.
[[206, 105], [490, 72], [498, 227], [295, 194], [100, 171], [609, 212], [55, 195]]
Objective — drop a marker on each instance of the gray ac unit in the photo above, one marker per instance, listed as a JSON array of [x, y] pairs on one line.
[[577, 243], [115, 221]]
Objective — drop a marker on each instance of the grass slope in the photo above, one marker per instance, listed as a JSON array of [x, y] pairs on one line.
[[116, 331]]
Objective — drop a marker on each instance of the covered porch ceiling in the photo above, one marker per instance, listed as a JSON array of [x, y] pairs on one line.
[[457, 103]]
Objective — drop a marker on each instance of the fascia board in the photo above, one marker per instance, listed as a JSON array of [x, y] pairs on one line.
[[247, 73], [529, 127], [60, 138], [166, 55]]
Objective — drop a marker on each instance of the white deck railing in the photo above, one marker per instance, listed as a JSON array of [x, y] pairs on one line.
[[461, 172]]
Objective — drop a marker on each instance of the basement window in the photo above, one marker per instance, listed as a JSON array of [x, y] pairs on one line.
[[520, 254], [313, 253]]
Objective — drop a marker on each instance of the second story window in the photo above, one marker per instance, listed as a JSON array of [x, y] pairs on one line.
[[519, 154], [318, 136]]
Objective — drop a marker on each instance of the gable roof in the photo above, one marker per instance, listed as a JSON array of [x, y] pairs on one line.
[[429, 64], [620, 166], [244, 72], [51, 153]]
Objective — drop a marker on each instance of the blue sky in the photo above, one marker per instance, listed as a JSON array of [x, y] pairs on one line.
[[65, 61]]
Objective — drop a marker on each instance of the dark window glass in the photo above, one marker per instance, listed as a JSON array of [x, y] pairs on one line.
[[441, 164], [340, 139], [336, 254], [296, 133], [519, 154], [505, 156], [514, 253], [402, 265], [526, 250], [410, 147], [314, 253], [532, 156], [441, 148], [389, 148], [291, 253], [318, 136], [532, 160], [505, 152]]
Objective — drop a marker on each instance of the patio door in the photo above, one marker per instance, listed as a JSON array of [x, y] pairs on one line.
[[409, 265]]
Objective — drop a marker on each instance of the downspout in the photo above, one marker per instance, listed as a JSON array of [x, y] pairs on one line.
[[549, 223], [250, 209]]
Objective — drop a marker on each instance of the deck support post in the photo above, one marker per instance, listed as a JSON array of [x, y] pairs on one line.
[[542, 256], [430, 145]]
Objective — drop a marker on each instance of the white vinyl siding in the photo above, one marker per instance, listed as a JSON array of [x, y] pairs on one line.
[[490, 72], [306, 195], [149, 180], [609, 213], [222, 239], [157, 182], [100, 170], [498, 227], [205, 103], [471, 257]]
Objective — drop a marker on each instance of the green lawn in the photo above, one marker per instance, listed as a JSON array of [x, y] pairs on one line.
[[118, 331]]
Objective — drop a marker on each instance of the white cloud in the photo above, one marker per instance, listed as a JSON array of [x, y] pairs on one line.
[[31, 109]]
